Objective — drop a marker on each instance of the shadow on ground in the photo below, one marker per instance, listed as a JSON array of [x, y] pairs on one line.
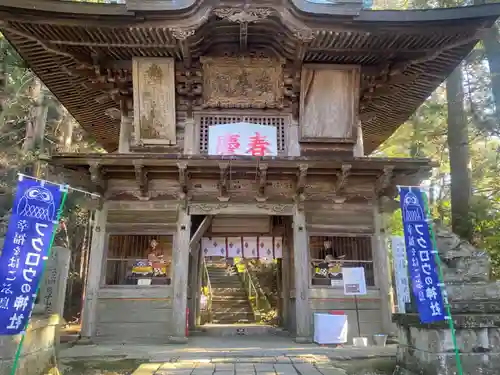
[[102, 366]]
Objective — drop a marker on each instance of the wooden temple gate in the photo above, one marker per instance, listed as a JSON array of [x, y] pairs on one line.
[[147, 80]]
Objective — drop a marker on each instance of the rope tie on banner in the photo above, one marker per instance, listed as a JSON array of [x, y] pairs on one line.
[[65, 190]]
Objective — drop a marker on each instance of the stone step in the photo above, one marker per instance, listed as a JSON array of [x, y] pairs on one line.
[[225, 281], [227, 290], [236, 329], [233, 302], [216, 310], [229, 301], [233, 318]]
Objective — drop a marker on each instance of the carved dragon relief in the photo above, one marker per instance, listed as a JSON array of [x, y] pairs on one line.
[[246, 14], [242, 82]]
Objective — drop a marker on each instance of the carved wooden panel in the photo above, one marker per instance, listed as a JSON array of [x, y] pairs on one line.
[[154, 101], [329, 98], [206, 120], [242, 82]]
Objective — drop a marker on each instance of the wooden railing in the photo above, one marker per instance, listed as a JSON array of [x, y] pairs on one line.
[[252, 293]]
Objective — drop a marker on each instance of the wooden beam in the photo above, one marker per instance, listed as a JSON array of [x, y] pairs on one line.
[[205, 224], [78, 58], [170, 205], [225, 208]]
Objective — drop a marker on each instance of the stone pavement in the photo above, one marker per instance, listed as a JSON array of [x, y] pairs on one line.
[[246, 355], [285, 367]]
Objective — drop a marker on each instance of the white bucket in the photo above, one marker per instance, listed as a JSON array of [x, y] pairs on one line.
[[360, 341], [380, 339]]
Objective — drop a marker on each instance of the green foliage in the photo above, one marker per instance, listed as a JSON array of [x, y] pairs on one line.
[[424, 135], [21, 96]]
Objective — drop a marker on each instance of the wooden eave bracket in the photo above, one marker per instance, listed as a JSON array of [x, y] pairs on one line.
[[183, 182], [182, 35], [384, 180], [97, 178], [262, 182], [223, 182], [342, 177], [301, 185], [141, 178]]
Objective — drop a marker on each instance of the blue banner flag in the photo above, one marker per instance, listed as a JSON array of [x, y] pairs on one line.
[[421, 255], [27, 244]]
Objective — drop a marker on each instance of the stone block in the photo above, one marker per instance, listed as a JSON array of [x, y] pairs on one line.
[[306, 369], [39, 347], [282, 369], [244, 368], [224, 367], [262, 367]]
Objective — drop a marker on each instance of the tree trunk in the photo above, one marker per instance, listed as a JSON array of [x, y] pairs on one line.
[[35, 125], [458, 145], [492, 50], [416, 141], [66, 131]]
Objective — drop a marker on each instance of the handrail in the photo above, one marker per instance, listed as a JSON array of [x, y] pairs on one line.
[[253, 293], [209, 286], [267, 302]]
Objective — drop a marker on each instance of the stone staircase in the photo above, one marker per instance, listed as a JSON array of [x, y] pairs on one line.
[[230, 303]]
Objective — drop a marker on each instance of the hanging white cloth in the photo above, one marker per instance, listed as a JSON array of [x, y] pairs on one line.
[[213, 246], [278, 247], [234, 247], [250, 247]]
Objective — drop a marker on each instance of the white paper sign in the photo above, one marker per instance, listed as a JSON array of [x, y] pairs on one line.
[[242, 138], [400, 272], [354, 281]]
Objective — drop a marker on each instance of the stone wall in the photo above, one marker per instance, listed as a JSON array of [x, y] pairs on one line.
[[39, 347], [475, 309]]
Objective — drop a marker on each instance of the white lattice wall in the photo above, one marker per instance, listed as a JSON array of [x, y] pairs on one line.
[[206, 120]]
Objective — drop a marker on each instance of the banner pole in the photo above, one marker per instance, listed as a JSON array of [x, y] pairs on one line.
[[56, 224], [441, 285]]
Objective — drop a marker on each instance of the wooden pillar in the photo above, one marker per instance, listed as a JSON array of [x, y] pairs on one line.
[[90, 300], [180, 270], [293, 146], [199, 281], [359, 149], [193, 282], [285, 280], [190, 136], [125, 130], [301, 267], [382, 269]]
